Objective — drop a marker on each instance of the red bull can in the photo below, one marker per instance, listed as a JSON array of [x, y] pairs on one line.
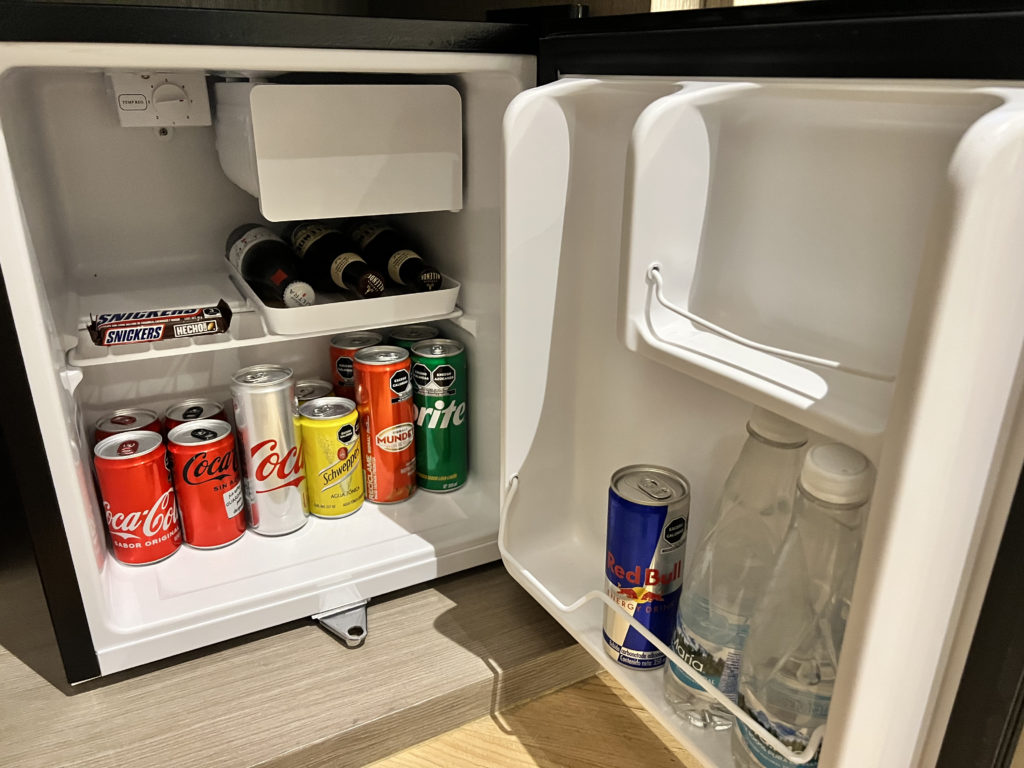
[[648, 516]]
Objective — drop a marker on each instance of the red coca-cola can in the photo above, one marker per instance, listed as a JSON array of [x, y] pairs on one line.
[[207, 482], [343, 352], [386, 414], [127, 420], [192, 410], [138, 497]]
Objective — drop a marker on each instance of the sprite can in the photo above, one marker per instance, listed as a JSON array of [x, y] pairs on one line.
[[330, 449], [439, 392], [408, 336]]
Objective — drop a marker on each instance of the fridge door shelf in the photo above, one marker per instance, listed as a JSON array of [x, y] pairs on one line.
[[790, 225], [583, 617], [336, 312], [331, 151], [843, 401]]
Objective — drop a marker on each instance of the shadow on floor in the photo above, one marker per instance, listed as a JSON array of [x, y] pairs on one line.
[[587, 724]]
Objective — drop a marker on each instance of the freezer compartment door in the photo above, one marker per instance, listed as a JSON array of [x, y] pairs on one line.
[[890, 269], [329, 151]]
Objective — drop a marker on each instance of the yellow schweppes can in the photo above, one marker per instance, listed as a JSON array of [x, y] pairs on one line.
[[330, 450]]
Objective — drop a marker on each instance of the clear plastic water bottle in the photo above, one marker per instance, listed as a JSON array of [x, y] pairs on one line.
[[731, 566], [791, 656]]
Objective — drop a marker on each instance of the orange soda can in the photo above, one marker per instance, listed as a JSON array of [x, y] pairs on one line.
[[387, 416], [343, 351]]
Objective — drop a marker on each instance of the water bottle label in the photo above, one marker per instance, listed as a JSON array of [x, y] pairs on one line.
[[718, 663], [806, 706], [241, 247], [711, 641]]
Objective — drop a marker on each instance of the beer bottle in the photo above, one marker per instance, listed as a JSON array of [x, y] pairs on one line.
[[268, 265], [328, 259], [388, 251]]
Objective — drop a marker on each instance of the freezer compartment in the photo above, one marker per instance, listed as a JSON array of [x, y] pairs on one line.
[[335, 150], [108, 218], [581, 403]]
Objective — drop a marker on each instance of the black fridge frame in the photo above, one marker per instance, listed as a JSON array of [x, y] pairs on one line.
[[846, 38]]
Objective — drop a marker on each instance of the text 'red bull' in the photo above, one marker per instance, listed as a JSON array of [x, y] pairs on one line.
[[646, 576]]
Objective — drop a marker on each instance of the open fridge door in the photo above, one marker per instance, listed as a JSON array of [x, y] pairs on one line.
[[842, 253]]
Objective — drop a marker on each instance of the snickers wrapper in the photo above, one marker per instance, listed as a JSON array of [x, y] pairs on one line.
[[113, 328]]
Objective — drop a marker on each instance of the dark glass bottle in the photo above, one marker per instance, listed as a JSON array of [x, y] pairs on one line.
[[268, 265], [388, 251], [328, 260]]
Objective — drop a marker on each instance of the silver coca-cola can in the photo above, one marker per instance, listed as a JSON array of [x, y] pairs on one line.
[[266, 416]]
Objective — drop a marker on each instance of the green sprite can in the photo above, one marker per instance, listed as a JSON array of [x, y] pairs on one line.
[[408, 336], [440, 383]]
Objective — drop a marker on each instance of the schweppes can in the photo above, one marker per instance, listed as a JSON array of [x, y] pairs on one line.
[[330, 449]]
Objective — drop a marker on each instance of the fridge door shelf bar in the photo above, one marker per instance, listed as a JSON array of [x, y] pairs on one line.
[[845, 402], [625, 675], [658, 290]]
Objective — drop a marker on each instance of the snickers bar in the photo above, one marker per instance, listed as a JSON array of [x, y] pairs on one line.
[[113, 328]]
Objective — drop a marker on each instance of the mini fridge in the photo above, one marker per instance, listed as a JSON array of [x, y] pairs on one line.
[[648, 226]]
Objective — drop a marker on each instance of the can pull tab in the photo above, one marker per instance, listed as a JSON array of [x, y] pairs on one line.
[[654, 488]]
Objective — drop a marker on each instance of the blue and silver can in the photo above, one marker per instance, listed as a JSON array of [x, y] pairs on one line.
[[648, 515]]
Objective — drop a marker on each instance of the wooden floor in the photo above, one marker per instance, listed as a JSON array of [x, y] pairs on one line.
[[437, 656], [592, 723]]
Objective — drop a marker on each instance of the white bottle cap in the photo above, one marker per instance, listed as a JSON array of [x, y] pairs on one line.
[[837, 474], [773, 427], [299, 294]]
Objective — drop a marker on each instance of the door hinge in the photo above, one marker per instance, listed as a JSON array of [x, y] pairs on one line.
[[348, 624]]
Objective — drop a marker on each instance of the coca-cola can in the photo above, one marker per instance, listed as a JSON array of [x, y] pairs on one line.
[[127, 420], [138, 497], [192, 410], [266, 414], [207, 482]]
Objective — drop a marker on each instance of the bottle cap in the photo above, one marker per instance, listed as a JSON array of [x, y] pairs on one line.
[[837, 474], [773, 427], [299, 294]]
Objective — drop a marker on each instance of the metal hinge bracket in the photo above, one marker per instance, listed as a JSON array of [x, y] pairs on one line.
[[348, 624]]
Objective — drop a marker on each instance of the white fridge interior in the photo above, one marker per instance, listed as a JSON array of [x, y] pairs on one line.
[[127, 218], [858, 222]]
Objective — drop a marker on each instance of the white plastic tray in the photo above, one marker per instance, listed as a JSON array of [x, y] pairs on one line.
[[340, 312]]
